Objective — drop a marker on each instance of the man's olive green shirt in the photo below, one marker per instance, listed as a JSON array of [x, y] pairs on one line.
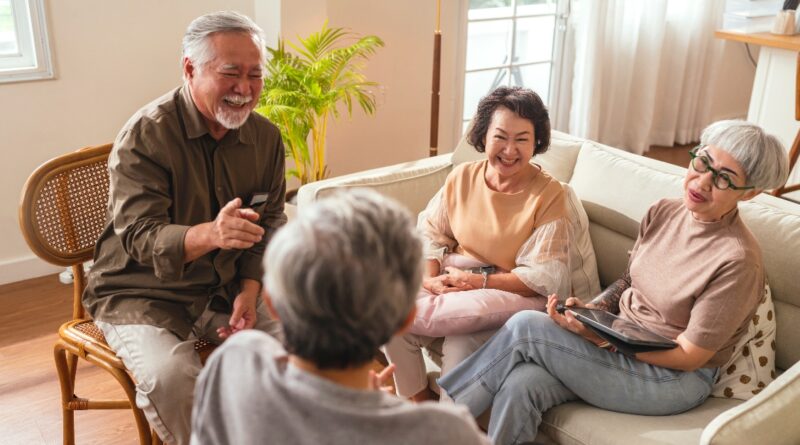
[[167, 174]]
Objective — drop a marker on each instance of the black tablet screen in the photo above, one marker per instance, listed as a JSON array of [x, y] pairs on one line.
[[624, 329]]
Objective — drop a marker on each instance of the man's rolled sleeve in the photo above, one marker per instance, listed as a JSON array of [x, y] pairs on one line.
[[168, 252]]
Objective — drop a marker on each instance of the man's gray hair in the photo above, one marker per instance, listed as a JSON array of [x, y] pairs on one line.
[[760, 154], [343, 277], [196, 46]]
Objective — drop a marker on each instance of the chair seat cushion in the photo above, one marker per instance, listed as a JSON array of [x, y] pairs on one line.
[[88, 338]]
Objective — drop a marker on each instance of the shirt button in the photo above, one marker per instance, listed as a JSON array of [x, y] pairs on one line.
[[219, 189]]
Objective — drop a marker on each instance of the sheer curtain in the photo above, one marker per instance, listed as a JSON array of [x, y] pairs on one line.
[[642, 72]]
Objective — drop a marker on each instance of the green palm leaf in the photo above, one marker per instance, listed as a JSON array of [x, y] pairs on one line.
[[302, 90]]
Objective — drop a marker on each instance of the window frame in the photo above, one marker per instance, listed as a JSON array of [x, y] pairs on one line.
[[561, 15], [34, 59]]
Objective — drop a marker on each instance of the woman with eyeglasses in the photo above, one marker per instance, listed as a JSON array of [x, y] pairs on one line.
[[695, 275]]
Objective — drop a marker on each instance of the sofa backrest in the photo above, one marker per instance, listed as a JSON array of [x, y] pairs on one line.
[[558, 161], [616, 189]]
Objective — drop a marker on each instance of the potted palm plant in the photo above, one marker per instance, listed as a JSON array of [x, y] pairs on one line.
[[302, 91]]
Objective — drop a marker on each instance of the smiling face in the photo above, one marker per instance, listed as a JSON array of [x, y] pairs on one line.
[[227, 88], [509, 144], [702, 198]]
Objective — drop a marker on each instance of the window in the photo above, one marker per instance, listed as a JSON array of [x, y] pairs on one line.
[[510, 42], [24, 49]]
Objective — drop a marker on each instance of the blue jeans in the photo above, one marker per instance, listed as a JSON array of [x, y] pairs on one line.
[[532, 364]]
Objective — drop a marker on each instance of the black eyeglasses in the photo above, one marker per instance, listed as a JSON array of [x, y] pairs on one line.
[[702, 164]]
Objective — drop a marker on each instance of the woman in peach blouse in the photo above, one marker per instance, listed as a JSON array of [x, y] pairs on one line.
[[497, 241]]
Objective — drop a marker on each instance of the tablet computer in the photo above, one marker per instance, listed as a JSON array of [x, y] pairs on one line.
[[618, 329]]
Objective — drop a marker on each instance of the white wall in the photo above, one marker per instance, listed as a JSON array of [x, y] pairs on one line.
[[110, 58], [399, 131]]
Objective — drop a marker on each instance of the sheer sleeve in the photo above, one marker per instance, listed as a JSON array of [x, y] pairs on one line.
[[543, 260], [434, 224]]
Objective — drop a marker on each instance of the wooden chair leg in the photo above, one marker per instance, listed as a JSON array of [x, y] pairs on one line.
[[145, 438], [67, 390]]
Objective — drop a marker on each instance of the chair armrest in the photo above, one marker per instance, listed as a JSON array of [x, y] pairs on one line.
[[769, 417], [411, 183]]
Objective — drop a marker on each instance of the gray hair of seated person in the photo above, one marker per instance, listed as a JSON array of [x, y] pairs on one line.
[[196, 46], [761, 155], [343, 277]]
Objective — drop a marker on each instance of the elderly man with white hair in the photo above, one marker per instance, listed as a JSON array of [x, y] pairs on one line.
[[196, 190], [342, 279]]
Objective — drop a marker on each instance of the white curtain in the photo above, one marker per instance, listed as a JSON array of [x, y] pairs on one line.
[[643, 70]]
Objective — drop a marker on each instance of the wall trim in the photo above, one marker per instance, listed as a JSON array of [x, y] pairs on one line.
[[24, 268]]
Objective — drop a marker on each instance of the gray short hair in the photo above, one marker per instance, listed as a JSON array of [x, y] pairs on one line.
[[343, 277], [760, 154], [195, 41]]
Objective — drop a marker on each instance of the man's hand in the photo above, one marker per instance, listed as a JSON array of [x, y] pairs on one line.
[[244, 310], [235, 227]]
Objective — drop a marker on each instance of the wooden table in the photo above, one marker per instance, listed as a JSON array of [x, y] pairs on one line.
[[775, 100]]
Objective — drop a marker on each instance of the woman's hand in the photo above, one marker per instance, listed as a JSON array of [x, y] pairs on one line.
[[568, 321], [453, 280], [457, 279], [377, 381]]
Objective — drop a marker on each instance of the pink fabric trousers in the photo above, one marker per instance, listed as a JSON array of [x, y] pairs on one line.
[[451, 327]]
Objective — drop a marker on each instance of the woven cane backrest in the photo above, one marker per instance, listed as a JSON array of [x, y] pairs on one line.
[[64, 205]]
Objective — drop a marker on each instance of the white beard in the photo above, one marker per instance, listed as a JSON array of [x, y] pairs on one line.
[[231, 119]]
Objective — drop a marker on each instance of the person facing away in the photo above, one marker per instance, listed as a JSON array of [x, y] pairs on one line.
[[497, 240], [695, 275], [341, 278], [180, 255]]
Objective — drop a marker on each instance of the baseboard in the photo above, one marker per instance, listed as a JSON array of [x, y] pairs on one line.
[[23, 268]]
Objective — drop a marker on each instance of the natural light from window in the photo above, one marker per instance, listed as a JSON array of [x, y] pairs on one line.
[[8, 37], [24, 50], [509, 42]]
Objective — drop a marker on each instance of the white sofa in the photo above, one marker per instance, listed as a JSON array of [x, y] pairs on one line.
[[616, 188]]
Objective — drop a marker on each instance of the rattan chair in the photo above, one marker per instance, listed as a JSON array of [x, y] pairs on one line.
[[62, 212]]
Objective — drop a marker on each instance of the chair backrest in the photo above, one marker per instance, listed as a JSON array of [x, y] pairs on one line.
[[63, 210]]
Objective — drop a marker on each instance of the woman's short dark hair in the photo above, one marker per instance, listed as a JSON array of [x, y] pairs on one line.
[[522, 101]]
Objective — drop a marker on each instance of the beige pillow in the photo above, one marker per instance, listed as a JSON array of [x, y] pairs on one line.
[[585, 281], [752, 366]]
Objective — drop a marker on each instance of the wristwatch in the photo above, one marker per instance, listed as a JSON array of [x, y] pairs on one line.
[[484, 271]]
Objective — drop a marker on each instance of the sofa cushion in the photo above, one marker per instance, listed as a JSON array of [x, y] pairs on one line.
[[616, 189], [769, 417], [585, 282], [579, 423], [752, 364], [412, 184], [625, 184], [776, 225], [558, 161]]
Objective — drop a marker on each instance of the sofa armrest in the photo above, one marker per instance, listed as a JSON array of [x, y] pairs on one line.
[[413, 184], [769, 417]]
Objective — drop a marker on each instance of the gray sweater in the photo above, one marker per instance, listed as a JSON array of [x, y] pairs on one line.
[[248, 393]]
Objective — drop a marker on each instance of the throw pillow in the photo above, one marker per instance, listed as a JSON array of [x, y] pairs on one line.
[[752, 366]]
